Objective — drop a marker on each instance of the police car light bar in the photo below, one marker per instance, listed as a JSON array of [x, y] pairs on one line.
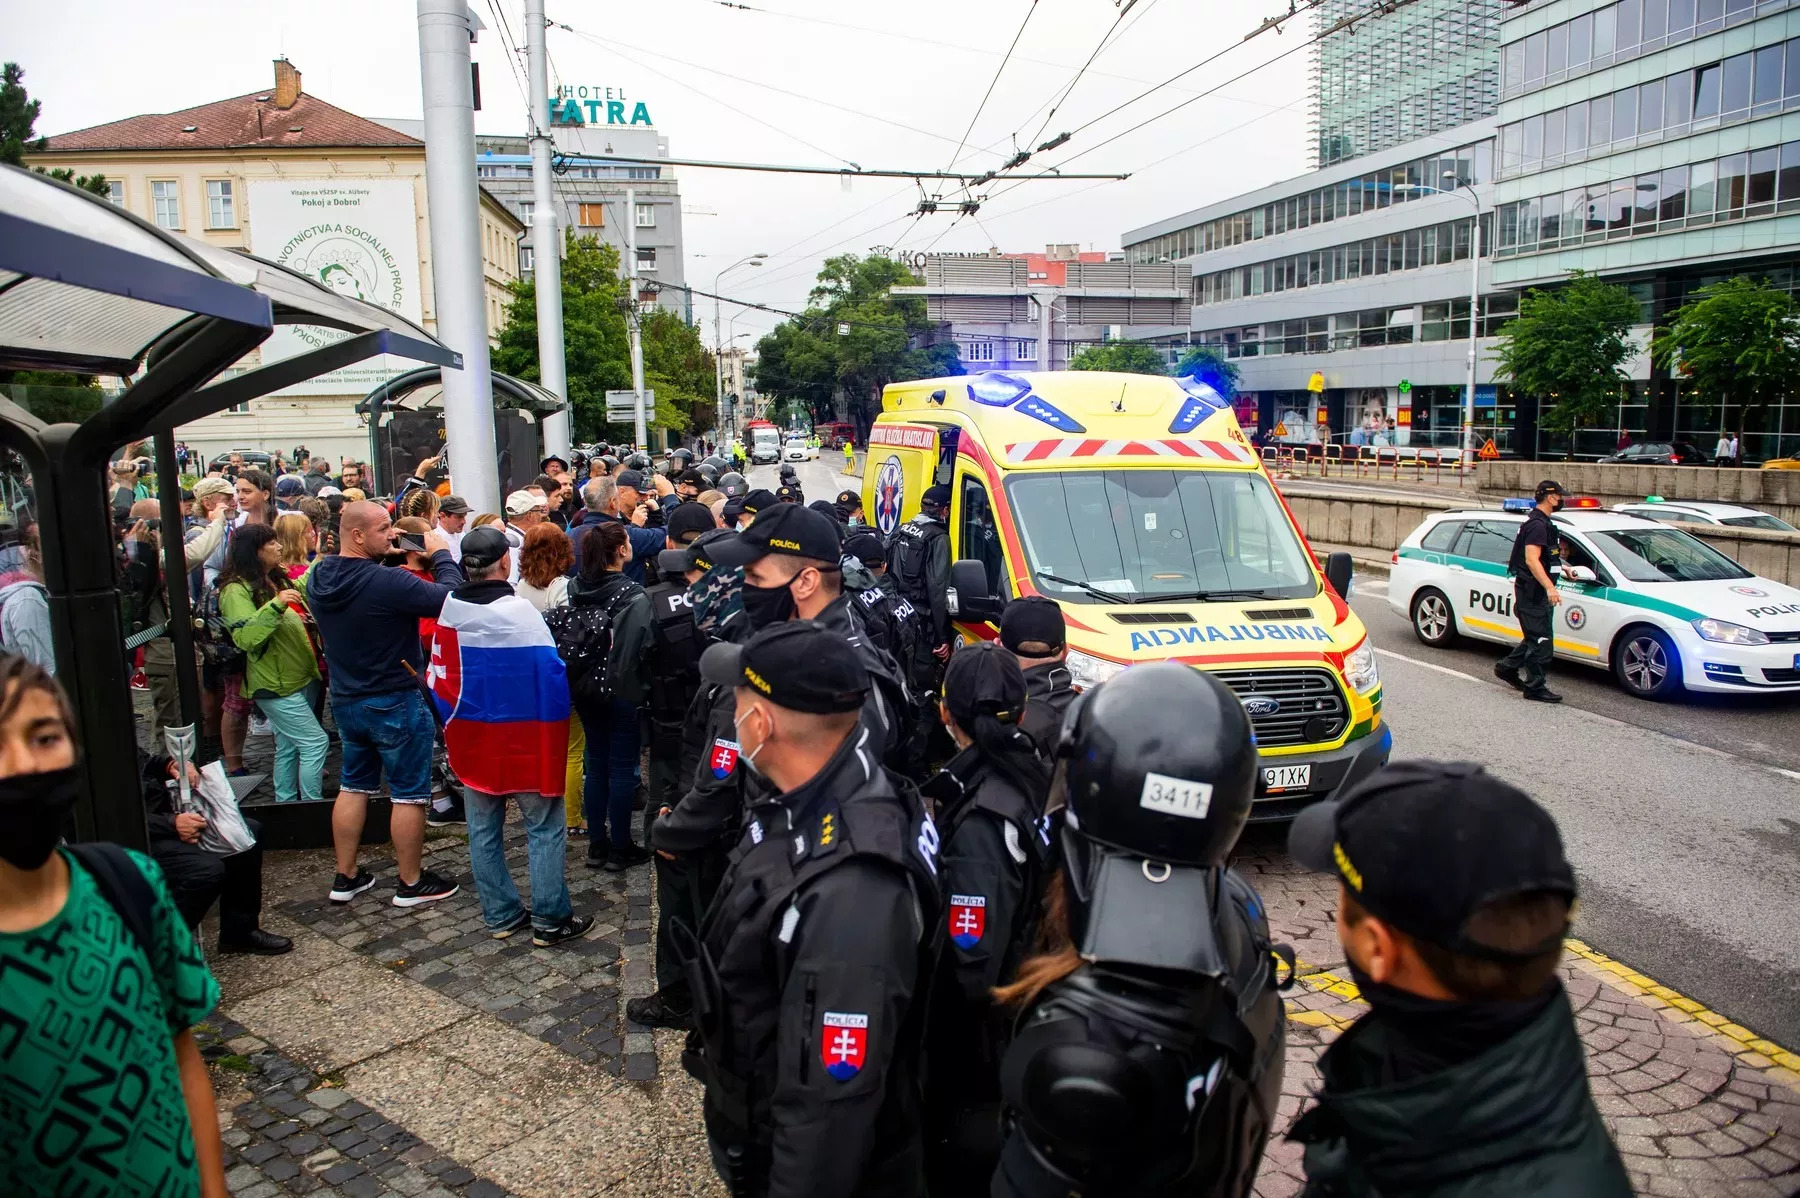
[[1585, 501], [1521, 504]]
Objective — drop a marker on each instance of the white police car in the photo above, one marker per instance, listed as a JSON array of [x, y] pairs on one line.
[[1691, 511], [1662, 609]]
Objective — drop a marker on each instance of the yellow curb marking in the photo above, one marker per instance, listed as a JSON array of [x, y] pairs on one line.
[[1739, 1041]]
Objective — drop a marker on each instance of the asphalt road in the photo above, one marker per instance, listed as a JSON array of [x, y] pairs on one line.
[[1682, 819]]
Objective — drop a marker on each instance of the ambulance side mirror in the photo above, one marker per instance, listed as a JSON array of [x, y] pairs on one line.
[[969, 592], [1338, 569]]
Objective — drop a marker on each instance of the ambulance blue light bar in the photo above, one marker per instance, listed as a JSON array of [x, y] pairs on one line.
[[1202, 401], [997, 389]]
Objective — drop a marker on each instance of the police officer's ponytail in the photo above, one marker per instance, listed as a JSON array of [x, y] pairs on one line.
[[984, 692]]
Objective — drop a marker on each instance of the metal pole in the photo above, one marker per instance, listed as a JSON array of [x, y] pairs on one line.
[[546, 235], [1468, 437], [631, 319], [1046, 315], [445, 32], [175, 577], [718, 359]]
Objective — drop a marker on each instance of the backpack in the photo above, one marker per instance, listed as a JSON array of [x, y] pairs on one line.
[[5, 603], [122, 884], [213, 633], [583, 637]]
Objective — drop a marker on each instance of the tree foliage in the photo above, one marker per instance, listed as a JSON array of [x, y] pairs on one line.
[[1738, 343], [1209, 364], [18, 124], [1569, 346], [1129, 357], [853, 339], [597, 347]]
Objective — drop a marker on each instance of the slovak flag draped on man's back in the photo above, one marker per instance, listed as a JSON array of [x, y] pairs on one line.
[[503, 696]]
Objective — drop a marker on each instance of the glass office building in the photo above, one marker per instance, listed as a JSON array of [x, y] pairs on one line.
[[1656, 143], [1388, 80]]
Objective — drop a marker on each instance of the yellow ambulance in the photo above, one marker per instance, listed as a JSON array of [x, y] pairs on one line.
[[1136, 503]]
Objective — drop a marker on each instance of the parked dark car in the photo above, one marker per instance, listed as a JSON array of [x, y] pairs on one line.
[[1659, 453], [252, 457]]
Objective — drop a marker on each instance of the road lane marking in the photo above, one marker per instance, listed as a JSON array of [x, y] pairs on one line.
[[1427, 665]]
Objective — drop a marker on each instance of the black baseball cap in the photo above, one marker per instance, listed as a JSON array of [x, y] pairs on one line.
[[826, 509], [1033, 619], [938, 496], [848, 501], [866, 548], [1548, 487], [482, 547], [787, 493], [631, 478], [799, 664], [699, 554], [692, 478], [984, 679], [785, 528], [690, 519], [1424, 845], [756, 501]]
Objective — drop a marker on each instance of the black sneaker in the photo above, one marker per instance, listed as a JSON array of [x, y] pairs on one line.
[[572, 928], [620, 860], [597, 853], [344, 889], [513, 928], [656, 1010], [453, 814], [1510, 677], [1543, 695], [428, 889]]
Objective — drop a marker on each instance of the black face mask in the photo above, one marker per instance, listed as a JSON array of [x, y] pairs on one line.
[[33, 811], [764, 606]]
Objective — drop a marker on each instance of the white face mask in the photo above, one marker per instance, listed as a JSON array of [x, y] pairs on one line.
[[749, 758]]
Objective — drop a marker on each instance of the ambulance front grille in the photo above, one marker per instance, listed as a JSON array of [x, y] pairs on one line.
[[1310, 705], [1152, 617]]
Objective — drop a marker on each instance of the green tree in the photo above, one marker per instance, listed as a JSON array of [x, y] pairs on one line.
[[1737, 344], [1568, 346], [1128, 357], [854, 338], [1211, 366], [18, 124]]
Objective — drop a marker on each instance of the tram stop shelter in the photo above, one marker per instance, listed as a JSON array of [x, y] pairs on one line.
[[88, 288], [406, 425]]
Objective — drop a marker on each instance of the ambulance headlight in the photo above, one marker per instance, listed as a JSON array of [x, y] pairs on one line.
[[1359, 668], [1728, 633], [1087, 671]]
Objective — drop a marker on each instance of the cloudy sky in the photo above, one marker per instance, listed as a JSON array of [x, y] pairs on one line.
[[813, 82]]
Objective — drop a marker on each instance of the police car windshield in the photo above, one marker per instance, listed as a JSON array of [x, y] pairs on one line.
[[1664, 555], [1159, 534]]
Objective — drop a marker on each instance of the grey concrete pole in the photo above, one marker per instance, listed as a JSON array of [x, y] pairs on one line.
[[546, 232], [631, 318], [446, 29]]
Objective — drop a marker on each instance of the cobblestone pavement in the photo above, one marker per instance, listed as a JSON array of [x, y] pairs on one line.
[[569, 996], [293, 1133]]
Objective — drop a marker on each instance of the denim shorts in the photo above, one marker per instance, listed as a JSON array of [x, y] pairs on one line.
[[391, 733]]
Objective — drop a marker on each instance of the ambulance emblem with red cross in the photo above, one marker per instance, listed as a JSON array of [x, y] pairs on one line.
[[844, 1040], [724, 758], [968, 919]]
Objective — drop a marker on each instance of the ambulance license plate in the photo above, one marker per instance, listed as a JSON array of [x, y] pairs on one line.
[[1287, 777]]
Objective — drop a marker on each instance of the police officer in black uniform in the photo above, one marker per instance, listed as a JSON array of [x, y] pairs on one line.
[[919, 560], [793, 570], [887, 619], [995, 859], [1535, 561], [809, 964], [1148, 1059], [1033, 627]]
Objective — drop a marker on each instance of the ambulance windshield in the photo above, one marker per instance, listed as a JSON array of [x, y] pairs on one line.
[[1143, 535]]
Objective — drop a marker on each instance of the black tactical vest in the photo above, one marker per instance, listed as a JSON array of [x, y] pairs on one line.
[[737, 997], [674, 666]]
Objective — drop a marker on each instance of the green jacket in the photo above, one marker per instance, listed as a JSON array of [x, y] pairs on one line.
[[274, 642], [1517, 1119]]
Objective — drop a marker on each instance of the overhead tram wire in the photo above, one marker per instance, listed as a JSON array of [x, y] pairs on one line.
[[1106, 39], [996, 79]]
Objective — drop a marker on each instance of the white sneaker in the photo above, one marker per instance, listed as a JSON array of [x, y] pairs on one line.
[[259, 726]]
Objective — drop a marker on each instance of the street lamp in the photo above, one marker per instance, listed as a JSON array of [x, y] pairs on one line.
[[1456, 188], [718, 346]]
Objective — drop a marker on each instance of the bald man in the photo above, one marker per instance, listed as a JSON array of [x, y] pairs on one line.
[[368, 619]]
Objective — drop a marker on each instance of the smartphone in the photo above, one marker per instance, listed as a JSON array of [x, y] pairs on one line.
[[411, 542]]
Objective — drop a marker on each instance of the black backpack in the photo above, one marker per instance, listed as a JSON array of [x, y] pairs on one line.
[[123, 885], [584, 636], [213, 633]]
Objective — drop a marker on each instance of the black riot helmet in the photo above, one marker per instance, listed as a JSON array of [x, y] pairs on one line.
[[710, 473], [716, 462], [684, 456], [610, 461], [1157, 771], [733, 484], [639, 461]]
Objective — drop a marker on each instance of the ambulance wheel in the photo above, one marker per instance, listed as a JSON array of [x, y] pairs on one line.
[[1433, 621], [1646, 664]]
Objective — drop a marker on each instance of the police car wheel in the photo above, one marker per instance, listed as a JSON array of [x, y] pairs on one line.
[[1645, 662], [1433, 621]]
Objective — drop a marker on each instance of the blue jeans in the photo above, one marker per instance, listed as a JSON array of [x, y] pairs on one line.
[[612, 765], [300, 746], [391, 733], [546, 843]]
